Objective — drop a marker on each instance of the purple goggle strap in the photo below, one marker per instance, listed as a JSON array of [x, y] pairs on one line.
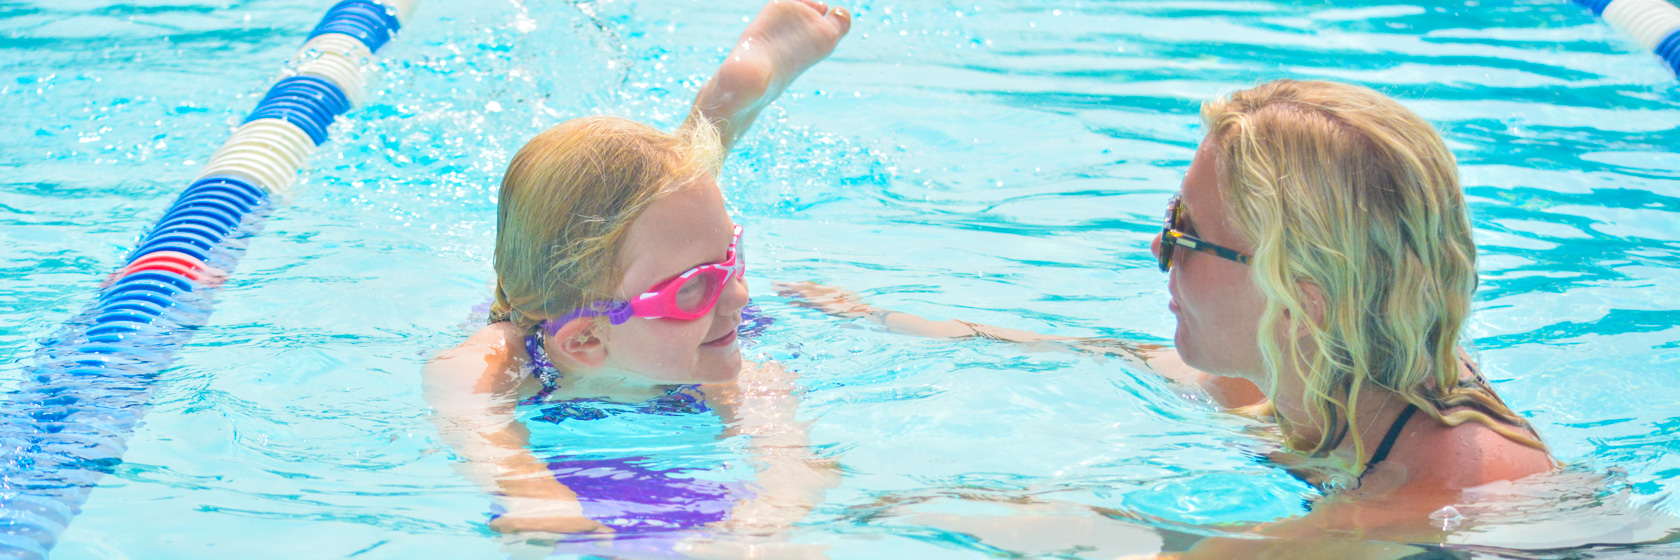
[[616, 311]]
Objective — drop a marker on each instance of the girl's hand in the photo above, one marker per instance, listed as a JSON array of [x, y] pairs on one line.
[[552, 514], [827, 299], [792, 35], [511, 523], [708, 549], [787, 37]]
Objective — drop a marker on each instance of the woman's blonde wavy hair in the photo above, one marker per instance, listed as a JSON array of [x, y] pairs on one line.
[[1341, 189], [567, 202]]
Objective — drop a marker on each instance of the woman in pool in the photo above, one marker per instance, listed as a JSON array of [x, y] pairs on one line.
[[619, 279], [1321, 268]]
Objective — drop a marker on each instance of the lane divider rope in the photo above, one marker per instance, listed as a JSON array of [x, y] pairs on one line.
[[68, 423], [1652, 24]]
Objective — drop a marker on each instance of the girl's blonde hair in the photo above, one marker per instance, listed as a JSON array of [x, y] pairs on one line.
[[567, 202], [1343, 191]]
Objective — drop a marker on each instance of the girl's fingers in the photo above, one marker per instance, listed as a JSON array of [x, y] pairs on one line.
[[820, 7], [842, 17]]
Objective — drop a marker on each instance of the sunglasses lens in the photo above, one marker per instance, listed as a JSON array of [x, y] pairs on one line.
[[1164, 257], [1167, 246]]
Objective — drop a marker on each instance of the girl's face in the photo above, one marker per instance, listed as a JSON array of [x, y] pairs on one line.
[[683, 230], [1216, 301]]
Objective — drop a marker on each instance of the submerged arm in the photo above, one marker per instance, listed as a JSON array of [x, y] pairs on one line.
[[1229, 392], [791, 480], [473, 391]]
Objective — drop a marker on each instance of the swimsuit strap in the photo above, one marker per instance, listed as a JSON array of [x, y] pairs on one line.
[[1405, 416], [540, 364], [1388, 440]]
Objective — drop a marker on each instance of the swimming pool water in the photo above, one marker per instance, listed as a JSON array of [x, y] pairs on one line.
[[1001, 162]]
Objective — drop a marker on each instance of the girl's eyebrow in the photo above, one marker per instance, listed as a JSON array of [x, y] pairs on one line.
[[706, 262]]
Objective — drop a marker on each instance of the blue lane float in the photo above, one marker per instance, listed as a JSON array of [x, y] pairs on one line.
[[1669, 50], [1652, 24], [369, 22], [68, 423]]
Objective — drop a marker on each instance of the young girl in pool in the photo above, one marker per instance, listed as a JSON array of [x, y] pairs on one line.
[[619, 279], [1321, 268]]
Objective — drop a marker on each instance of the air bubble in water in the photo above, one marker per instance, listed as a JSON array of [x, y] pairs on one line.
[[1447, 517]]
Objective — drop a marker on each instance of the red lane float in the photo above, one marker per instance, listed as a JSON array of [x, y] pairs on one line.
[[173, 261]]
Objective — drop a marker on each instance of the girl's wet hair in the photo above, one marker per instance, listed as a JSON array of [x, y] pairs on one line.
[[1346, 195], [567, 202]]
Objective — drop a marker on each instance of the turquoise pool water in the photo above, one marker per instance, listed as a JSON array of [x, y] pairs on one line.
[[990, 161]]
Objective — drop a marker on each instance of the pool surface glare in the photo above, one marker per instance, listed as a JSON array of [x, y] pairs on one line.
[[1001, 162]]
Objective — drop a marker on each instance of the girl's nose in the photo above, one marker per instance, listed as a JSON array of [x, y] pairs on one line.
[[1155, 246], [734, 296]]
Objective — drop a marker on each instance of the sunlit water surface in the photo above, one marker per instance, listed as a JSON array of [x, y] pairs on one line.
[[995, 162]]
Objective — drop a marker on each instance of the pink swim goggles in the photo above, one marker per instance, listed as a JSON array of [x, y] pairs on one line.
[[685, 297]]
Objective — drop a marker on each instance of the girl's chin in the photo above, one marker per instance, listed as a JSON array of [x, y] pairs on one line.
[[714, 370], [728, 370]]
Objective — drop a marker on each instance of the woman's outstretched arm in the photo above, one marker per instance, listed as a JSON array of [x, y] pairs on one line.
[[786, 38], [473, 390], [1229, 392]]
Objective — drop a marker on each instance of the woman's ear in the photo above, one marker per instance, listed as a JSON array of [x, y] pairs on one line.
[[1312, 298], [577, 345], [1312, 302]]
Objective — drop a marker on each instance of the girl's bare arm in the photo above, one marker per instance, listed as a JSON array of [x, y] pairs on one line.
[[786, 38], [473, 390], [763, 404]]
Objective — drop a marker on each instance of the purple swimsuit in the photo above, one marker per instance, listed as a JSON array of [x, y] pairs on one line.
[[622, 492]]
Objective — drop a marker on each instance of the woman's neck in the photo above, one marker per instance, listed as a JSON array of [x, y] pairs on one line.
[[1374, 411]]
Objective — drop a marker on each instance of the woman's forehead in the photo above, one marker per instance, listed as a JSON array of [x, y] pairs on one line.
[[1201, 182], [1202, 199]]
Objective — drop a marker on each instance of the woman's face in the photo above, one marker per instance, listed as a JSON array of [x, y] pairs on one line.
[[683, 230], [1216, 301]]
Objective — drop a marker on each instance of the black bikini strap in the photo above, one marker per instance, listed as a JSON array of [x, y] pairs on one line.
[[1393, 434]]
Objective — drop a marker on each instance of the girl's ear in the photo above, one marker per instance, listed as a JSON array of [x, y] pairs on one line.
[[577, 345]]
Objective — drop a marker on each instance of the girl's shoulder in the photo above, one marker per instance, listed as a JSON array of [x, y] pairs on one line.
[[488, 361], [498, 340]]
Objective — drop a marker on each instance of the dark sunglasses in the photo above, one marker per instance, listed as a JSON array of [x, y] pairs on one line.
[[1173, 237]]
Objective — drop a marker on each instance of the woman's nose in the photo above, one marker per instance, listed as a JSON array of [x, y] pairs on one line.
[[1155, 246]]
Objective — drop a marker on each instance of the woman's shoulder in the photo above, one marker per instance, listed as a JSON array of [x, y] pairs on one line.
[[1467, 455], [1499, 457]]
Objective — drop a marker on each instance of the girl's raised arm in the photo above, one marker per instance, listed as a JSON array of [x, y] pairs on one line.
[[787, 37]]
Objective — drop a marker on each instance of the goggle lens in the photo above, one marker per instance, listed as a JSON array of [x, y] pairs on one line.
[[698, 291]]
